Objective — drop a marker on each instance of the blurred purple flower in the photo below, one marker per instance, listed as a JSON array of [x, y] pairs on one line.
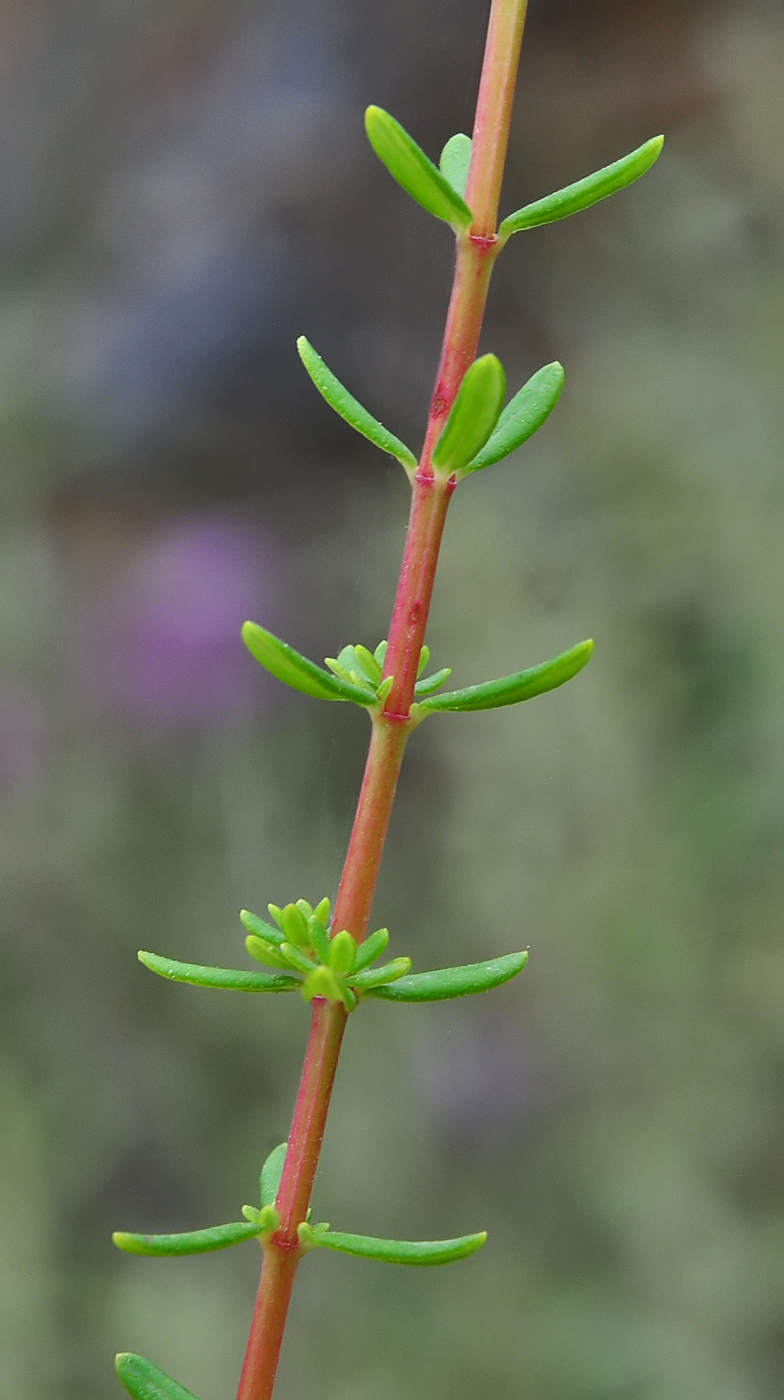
[[164, 646]]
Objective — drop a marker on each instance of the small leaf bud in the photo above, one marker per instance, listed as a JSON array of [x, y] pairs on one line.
[[342, 952], [292, 921]]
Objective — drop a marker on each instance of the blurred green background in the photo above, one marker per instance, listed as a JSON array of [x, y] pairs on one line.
[[186, 188]]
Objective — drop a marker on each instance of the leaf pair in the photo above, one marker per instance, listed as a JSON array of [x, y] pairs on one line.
[[441, 191], [479, 430], [392, 982]]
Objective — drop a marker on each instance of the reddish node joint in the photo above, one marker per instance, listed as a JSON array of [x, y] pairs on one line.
[[484, 243]]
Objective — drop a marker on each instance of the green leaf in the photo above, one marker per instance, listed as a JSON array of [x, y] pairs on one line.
[[144, 1381], [264, 953], [296, 958], [381, 652], [473, 416], [434, 682], [453, 981], [227, 979], [271, 1174], [368, 664], [521, 418], [342, 952], [295, 926], [378, 976], [266, 1220], [347, 407], [584, 193], [319, 938], [409, 165], [455, 160], [371, 949], [399, 1251], [511, 690], [195, 1242], [324, 982], [286, 664], [257, 926]]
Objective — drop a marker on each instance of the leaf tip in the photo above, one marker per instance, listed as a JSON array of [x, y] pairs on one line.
[[373, 117]]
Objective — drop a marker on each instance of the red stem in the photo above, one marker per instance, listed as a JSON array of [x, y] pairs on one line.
[[476, 253]]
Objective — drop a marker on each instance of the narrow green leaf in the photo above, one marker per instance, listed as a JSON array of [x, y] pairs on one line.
[[271, 1174], [521, 418], [342, 952], [431, 683], [195, 1242], [455, 161], [379, 976], [371, 949], [424, 657], [368, 664], [349, 408], [227, 979], [295, 926], [296, 958], [583, 193], [409, 165], [286, 664], [260, 929], [511, 690], [144, 1381], [381, 652], [321, 911], [473, 416], [453, 981], [319, 938], [400, 1251], [263, 952]]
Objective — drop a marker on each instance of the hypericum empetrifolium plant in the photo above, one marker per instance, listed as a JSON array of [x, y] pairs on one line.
[[324, 954]]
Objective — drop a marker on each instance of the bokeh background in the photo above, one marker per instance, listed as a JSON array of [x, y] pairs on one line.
[[185, 188]]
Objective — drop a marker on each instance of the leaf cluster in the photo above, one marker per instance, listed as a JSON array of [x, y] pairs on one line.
[[356, 674]]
